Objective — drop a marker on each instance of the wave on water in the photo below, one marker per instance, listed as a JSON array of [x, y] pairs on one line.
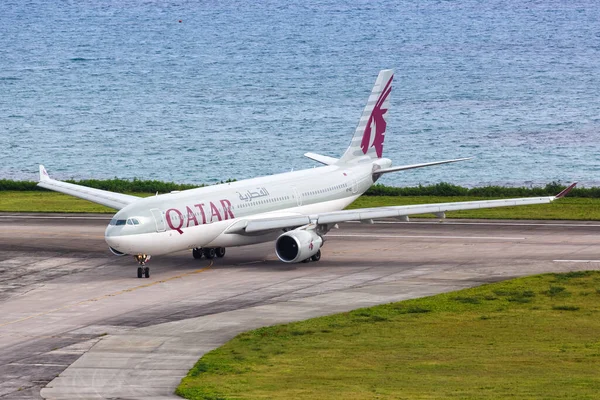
[[244, 89]]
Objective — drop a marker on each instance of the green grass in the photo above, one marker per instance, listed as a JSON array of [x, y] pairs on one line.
[[50, 202], [518, 339], [568, 209]]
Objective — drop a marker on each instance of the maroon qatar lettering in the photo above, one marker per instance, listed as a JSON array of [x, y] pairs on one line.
[[200, 207], [170, 220], [214, 212], [226, 204], [191, 216], [176, 219]]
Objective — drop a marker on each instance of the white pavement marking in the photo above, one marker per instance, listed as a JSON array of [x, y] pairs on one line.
[[482, 223], [431, 237], [432, 222], [577, 261], [40, 365], [84, 217]]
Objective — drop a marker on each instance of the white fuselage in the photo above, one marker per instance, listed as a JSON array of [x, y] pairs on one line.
[[201, 217]]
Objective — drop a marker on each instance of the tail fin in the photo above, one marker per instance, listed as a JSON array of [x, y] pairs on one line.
[[367, 142]]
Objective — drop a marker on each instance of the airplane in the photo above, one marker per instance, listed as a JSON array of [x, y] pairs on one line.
[[294, 209]]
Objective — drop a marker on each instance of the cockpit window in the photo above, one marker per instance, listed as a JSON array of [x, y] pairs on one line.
[[121, 222]]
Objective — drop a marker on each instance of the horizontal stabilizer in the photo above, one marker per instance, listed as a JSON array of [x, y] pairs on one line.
[[413, 166], [322, 159]]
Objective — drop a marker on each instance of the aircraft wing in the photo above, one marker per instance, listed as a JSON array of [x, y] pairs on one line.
[[291, 221], [104, 197]]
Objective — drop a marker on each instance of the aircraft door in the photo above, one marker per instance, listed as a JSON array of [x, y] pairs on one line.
[[158, 219], [353, 182], [298, 196]]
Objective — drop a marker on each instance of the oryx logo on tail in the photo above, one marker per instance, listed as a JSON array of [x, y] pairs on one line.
[[377, 119], [367, 141]]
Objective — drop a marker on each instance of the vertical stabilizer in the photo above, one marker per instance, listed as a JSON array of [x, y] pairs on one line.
[[367, 142]]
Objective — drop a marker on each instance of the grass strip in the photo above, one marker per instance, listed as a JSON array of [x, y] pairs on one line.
[[565, 209], [528, 338], [51, 202], [439, 189]]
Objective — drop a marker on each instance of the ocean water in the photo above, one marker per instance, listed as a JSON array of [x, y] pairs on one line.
[[102, 89]]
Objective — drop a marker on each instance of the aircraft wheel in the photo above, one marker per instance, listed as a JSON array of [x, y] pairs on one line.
[[307, 260], [197, 253], [220, 251], [140, 272], [316, 256], [209, 253], [147, 272]]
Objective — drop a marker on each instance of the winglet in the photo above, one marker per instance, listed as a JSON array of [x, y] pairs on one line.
[[43, 174], [566, 191]]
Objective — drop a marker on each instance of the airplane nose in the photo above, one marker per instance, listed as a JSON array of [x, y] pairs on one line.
[[110, 231], [112, 241], [112, 238]]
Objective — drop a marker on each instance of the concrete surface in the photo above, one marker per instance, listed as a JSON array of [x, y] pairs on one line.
[[74, 317]]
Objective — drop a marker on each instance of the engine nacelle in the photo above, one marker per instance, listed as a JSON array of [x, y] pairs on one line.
[[297, 245]]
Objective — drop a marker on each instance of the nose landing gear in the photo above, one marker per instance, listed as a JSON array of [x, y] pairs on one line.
[[142, 270]]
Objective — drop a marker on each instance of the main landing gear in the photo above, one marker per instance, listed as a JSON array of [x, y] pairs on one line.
[[208, 252], [314, 257], [142, 271]]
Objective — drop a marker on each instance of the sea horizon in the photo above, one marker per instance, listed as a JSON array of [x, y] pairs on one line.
[[202, 92]]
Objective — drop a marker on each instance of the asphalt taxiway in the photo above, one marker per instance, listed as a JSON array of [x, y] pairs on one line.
[[76, 323]]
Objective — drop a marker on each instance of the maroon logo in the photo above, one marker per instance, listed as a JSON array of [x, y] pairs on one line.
[[310, 245], [378, 119], [176, 219]]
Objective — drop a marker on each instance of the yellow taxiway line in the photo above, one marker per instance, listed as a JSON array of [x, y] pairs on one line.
[[123, 291]]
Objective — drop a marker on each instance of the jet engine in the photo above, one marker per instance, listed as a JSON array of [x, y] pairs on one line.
[[297, 245]]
